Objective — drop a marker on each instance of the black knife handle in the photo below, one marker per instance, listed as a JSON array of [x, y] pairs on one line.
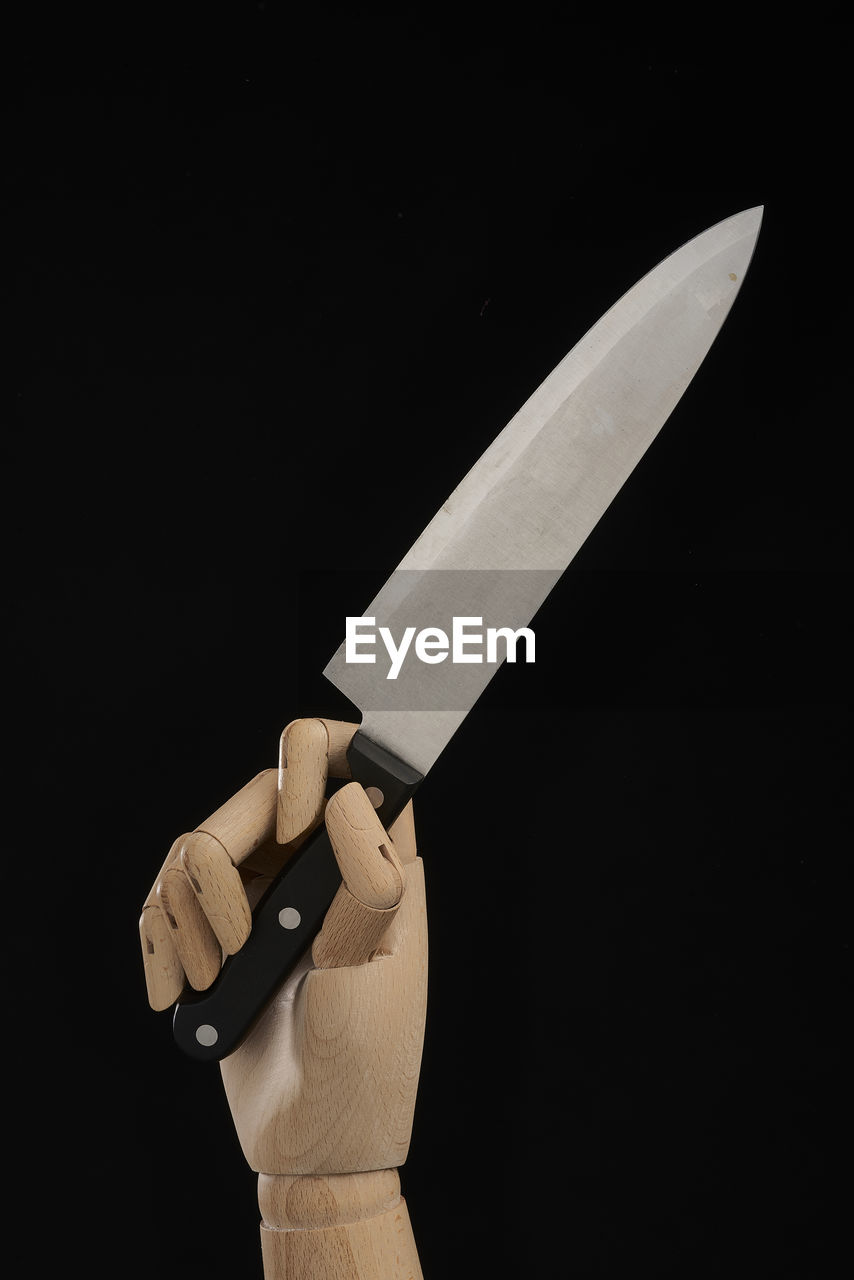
[[209, 1025]]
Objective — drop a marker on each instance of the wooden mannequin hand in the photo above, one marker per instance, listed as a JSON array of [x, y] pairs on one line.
[[322, 1090]]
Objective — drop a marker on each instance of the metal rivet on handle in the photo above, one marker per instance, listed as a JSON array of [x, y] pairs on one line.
[[207, 1035], [289, 918]]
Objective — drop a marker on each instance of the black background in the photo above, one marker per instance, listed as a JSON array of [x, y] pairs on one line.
[[278, 282]]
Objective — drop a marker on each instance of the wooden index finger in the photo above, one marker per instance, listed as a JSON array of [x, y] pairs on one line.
[[310, 752]]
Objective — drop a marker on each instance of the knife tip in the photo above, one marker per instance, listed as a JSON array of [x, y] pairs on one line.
[[751, 219]]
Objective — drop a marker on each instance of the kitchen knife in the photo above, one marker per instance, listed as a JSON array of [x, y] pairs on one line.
[[488, 559]]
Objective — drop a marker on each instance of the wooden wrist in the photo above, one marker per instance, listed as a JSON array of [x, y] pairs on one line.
[[347, 1226]]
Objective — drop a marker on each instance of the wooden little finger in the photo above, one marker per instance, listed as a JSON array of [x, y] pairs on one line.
[[197, 907], [195, 941], [218, 888], [164, 973]]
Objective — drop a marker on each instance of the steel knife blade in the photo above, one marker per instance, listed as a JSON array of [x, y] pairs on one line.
[[492, 553]]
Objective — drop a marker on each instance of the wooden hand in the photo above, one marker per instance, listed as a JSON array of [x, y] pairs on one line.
[[322, 1090]]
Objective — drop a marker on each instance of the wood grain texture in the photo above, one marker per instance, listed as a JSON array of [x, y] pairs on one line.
[[364, 849], [372, 888], [164, 973], [306, 1203], [195, 941], [187, 933], [340, 736], [326, 1080], [245, 821], [322, 1091], [377, 1248], [217, 885], [352, 933], [402, 832], [303, 772]]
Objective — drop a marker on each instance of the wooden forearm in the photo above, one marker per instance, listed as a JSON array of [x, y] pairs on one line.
[[348, 1226]]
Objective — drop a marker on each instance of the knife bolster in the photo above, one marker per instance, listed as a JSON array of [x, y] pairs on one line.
[[372, 766], [349, 1226]]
